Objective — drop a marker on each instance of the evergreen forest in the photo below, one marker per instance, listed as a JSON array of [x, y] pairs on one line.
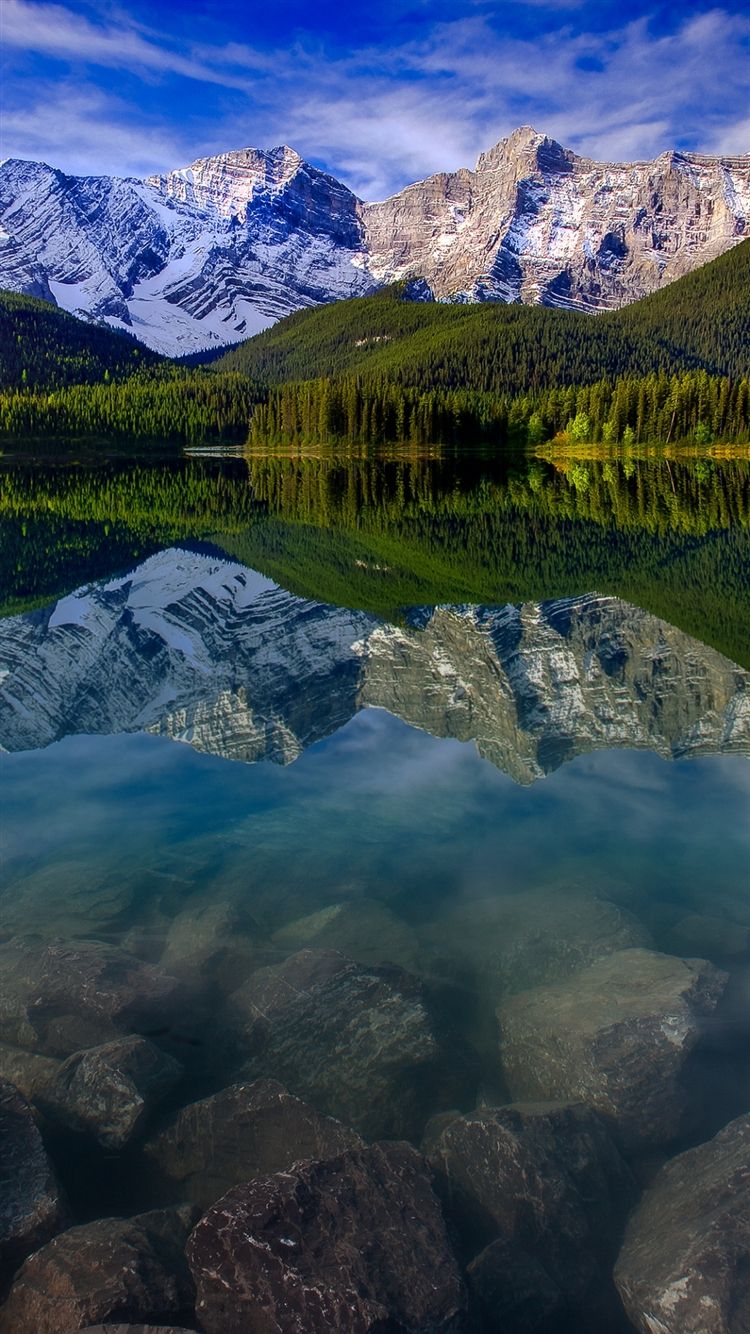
[[385, 369]]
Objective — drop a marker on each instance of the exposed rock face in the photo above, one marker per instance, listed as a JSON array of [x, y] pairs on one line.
[[206, 255], [213, 252], [684, 1262], [545, 1178], [208, 652], [357, 1041], [535, 223], [616, 1036], [128, 1269], [354, 1244], [245, 1131], [59, 998], [32, 1206], [110, 1091]]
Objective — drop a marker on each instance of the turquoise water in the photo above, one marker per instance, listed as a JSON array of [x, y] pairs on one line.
[[478, 722]]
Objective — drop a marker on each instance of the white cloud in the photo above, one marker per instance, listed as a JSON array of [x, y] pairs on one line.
[[381, 117]]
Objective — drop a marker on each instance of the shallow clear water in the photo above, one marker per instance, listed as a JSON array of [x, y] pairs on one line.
[[471, 703]]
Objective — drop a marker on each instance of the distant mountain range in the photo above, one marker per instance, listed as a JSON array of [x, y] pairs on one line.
[[217, 251], [206, 651]]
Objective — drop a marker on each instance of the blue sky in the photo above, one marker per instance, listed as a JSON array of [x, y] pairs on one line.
[[380, 96]]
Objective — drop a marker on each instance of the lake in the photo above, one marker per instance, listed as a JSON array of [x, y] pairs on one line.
[[453, 747]]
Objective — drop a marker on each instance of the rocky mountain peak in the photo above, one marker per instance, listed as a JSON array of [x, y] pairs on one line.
[[215, 251], [527, 147]]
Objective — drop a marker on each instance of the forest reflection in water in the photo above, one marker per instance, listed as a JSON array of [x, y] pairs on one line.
[[490, 722]]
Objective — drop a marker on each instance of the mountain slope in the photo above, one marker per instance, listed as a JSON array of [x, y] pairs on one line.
[[40, 345], [214, 252], [701, 321]]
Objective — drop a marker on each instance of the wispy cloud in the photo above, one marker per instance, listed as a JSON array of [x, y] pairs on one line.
[[382, 116]]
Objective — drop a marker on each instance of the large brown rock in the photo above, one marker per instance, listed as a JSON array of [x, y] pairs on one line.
[[357, 1041], [32, 1206], [354, 1244], [245, 1131], [114, 1269], [616, 1035], [110, 1091], [685, 1260], [546, 1178], [59, 998]]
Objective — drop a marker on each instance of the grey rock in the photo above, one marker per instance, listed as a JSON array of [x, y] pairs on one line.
[[110, 1091], [115, 1269], [357, 1042], [245, 1131], [683, 1267], [32, 1205], [546, 1178], [616, 1035], [353, 1244]]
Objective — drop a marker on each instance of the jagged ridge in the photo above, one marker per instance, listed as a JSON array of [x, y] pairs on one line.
[[216, 251]]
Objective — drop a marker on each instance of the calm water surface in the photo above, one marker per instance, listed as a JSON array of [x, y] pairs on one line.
[[484, 721]]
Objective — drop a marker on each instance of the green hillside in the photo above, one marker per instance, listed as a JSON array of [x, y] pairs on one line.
[[701, 321], [42, 346]]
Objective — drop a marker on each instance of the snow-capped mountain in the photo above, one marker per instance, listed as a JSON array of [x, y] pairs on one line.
[[216, 251], [205, 651]]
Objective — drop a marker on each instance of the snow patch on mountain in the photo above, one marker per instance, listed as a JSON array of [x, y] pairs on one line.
[[216, 251]]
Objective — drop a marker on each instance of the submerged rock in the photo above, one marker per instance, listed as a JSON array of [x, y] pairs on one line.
[[546, 1178], [30, 1073], [512, 942], [683, 1267], [110, 1091], [32, 1205], [357, 1041], [354, 1244], [137, 1329], [130, 1269], [717, 937], [512, 1293], [212, 942], [362, 929], [244, 1131], [59, 998], [616, 1035]]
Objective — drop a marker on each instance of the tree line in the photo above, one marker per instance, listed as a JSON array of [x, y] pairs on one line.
[[658, 407]]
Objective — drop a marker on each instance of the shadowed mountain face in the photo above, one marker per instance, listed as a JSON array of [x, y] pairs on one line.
[[214, 252], [208, 652]]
